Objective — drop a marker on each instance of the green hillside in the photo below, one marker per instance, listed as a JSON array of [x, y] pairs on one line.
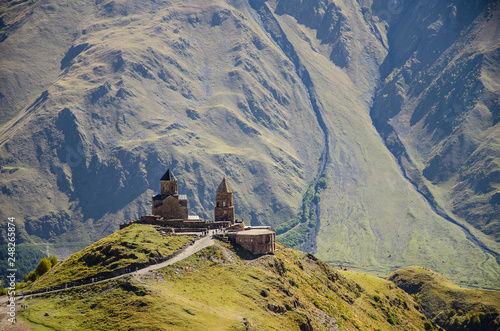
[[447, 304], [223, 288], [132, 246]]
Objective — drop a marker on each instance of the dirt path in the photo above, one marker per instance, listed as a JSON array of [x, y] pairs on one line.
[[4, 317], [190, 250], [197, 246]]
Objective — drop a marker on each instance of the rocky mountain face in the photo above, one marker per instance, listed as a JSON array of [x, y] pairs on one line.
[[288, 99], [438, 110]]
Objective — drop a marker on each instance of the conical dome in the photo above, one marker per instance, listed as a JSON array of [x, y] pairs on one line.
[[224, 187], [169, 175]]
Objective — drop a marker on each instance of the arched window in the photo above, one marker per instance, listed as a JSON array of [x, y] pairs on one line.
[[224, 204], [218, 204]]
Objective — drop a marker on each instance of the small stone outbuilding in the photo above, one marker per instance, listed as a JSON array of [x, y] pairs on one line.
[[258, 240]]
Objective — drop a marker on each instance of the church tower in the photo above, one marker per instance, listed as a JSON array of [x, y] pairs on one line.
[[224, 209], [169, 204], [168, 184]]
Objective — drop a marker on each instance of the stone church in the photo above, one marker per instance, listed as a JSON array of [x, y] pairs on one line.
[[172, 206], [170, 210]]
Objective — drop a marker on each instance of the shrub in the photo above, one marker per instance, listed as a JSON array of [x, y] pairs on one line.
[[322, 182], [53, 261], [392, 320], [31, 277], [428, 325], [376, 298], [43, 266]]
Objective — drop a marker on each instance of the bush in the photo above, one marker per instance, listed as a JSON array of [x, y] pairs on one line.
[[43, 266], [392, 320], [322, 182], [31, 277], [53, 261], [376, 298], [428, 325]]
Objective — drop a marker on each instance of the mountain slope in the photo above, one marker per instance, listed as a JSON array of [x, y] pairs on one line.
[[277, 96], [124, 110], [448, 305], [438, 111], [362, 221]]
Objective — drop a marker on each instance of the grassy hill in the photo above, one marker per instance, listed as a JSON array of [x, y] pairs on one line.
[[450, 306], [222, 287], [129, 247]]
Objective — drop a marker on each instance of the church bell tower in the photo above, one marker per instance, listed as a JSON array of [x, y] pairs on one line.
[[168, 184], [224, 209]]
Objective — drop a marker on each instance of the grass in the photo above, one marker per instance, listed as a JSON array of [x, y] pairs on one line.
[[447, 304], [225, 289], [135, 244]]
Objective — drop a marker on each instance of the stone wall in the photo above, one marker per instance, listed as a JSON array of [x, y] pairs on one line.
[[255, 243], [178, 224], [172, 208], [168, 187]]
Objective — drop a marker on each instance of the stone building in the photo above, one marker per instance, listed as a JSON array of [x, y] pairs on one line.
[[170, 209], [224, 209], [169, 204], [258, 240]]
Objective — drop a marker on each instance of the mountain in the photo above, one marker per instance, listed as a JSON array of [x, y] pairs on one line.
[[222, 287], [331, 121]]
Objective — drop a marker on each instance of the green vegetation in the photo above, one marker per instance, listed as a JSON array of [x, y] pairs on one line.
[[221, 288], [294, 232], [134, 244], [27, 258], [446, 304], [43, 266]]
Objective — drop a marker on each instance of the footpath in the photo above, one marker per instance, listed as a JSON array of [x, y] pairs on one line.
[[198, 245]]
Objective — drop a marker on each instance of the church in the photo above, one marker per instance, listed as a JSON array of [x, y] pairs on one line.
[[172, 206], [170, 210]]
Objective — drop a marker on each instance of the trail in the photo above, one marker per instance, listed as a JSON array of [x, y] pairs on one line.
[[197, 246], [188, 251]]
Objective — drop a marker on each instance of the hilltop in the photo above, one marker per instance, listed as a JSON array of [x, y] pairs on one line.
[[223, 287], [131, 247], [445, 303]]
